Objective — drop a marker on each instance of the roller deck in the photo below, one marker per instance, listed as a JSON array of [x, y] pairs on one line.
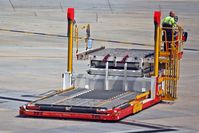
[[80, 97], [84, 103]]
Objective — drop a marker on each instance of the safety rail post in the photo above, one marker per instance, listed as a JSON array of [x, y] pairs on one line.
[[70, 16], [76, 38], [67, 76], [157, 15]]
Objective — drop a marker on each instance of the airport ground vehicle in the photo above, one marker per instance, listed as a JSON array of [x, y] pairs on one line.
[[120, 82]]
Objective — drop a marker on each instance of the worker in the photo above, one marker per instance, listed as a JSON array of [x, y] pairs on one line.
[[168, 24]]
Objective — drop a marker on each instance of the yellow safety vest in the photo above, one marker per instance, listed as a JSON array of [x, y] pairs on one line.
[[169, 20]]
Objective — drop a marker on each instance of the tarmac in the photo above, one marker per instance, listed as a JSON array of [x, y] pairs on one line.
[[32, 65]]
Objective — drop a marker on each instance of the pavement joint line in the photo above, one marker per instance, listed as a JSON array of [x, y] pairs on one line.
[[14, 99], [56, 57], [94, 39], [149, 125], [65, 36], [146, 131]]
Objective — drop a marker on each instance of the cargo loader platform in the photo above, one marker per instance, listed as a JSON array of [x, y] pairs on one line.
[[89, 98], [119, 82], [110, 91], [84, 104]]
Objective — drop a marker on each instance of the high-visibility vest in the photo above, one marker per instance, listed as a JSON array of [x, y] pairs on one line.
[[169, 20]]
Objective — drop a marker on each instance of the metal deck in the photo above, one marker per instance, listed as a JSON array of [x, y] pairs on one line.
[[90, 98], [121, 52]]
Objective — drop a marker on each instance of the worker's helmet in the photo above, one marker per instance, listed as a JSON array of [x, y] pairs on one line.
[[172, 14]]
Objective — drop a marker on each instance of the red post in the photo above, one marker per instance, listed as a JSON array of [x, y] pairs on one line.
[[70, 14], [157, 46], [157, 16]]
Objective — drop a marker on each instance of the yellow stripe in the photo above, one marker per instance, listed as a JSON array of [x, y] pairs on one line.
[[145, 94], [70, 48]]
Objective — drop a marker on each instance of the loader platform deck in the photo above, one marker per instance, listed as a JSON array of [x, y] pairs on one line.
[[82, 97], [81, 103]]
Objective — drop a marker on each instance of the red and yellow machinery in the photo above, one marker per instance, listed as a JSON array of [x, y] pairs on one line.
[[119, 82]]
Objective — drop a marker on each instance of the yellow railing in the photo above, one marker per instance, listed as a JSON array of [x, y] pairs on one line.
[[77, 38], [170, 55]]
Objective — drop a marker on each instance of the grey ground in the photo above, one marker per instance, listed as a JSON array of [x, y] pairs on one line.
[[33, 64]]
